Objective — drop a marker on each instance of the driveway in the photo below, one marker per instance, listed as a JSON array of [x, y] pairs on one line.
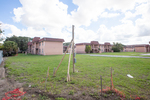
[[117, 56]]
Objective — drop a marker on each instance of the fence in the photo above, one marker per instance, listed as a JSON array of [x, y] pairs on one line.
[[1, 56]]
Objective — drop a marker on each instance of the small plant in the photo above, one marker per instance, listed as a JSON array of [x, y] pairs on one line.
[[71, 92], [6, 65], [34, 86], [118, 98], [105, 95], [91, 94], [109, 92], [83, 93], [24, 98], [60, 98], [43, 97], [72, 82], [33, 95]]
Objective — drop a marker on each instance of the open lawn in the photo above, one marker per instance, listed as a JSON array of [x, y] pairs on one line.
[[32, 69], [124, 53]]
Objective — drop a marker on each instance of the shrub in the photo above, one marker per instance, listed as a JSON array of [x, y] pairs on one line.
[[88, 49]]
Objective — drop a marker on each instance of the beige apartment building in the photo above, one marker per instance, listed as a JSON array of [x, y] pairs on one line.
[[107, 47], [46, 46], [129, 48], [95, 47], [137, 48]]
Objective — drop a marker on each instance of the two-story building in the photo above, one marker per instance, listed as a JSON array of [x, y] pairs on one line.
[[137, 48], [46, 46], [95, 47]]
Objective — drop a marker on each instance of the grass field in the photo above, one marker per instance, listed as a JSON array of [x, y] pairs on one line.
[[124, 54], [32, 69]]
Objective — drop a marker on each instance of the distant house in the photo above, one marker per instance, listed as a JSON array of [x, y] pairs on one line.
[[142, 48], [95, 47], [137, 48], [129, 48], [46, 46]]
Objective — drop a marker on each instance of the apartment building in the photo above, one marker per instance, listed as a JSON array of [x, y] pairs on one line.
[[129, 48], [137, 48], [46, 46], [95, 47]]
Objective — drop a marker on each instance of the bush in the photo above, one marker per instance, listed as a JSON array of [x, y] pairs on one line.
[[88, 49], [115, 49]]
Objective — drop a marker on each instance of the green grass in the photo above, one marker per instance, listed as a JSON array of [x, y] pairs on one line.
[[33, 69], [124, 53]]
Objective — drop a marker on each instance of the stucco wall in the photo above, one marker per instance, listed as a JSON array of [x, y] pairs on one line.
[[80, 49], [126, 49], [102, 48], [52, 48], [33, 48], [140, 49]]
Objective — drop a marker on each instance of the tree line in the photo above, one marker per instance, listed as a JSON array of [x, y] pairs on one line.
[[14, 44]]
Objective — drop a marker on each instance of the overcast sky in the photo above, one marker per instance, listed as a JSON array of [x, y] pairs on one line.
[[125, 21]]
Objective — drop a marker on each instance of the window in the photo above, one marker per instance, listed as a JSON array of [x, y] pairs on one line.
[[39, 44], [42, 43], [39, 50], [42, 50]]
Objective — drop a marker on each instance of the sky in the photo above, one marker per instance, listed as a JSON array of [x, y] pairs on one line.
[[123, 21]]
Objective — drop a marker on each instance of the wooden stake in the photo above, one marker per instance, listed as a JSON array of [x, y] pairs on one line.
[[101, 84], [73, 47], [68, 75], [54, 72], [47, 77], [62, 58], [111, 79]]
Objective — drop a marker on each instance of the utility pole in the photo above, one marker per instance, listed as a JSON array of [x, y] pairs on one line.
[[73, 48]]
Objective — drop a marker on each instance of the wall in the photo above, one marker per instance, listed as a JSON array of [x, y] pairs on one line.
[[80, 49], [52, 48], [140, 49], [128, 49]]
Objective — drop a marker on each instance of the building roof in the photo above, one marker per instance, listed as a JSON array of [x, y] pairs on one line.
[[29, 43], [83, 44], [142, 45], [51, 39], [94, 42], [107, 43], [137, 45], [36, 39]]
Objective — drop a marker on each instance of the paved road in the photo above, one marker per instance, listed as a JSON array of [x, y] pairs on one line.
[[118, 56]]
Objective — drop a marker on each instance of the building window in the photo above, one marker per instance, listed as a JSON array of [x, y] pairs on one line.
[[39, 44], [42, 43], [42, 50], [39, 50]]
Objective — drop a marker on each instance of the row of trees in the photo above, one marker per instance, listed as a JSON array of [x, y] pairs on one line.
[[14, 44], [21, 41], [117, 47], [9, 48]]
